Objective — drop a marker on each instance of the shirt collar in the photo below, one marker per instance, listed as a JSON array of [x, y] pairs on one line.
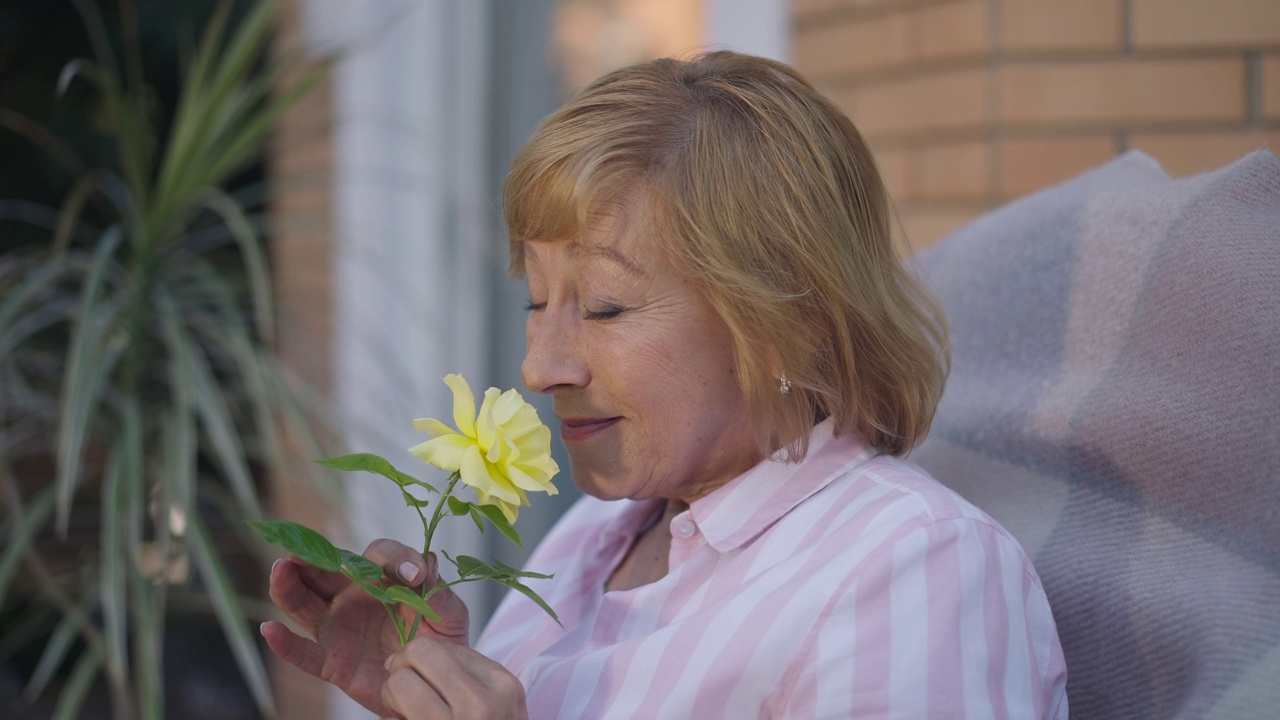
[[744, 507]]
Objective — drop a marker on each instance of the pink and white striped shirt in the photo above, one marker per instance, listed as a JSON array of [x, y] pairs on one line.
[[848, 585]]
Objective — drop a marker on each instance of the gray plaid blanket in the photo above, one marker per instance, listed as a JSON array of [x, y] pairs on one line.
[[1115, 402]]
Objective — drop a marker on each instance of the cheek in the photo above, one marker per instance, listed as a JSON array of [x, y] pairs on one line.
[[681, 380]]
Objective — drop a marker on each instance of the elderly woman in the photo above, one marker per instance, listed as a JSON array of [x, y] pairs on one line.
[[738, 360]]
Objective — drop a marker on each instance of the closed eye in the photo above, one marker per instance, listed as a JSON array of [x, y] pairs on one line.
[[608, 313], [532, 306]]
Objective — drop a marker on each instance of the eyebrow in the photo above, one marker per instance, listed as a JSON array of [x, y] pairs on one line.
[[577, 249]]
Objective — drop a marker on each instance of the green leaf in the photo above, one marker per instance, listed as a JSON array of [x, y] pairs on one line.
[[226, 605], [130, 126], [78, 684], [192, 116], [251, 134], [407, 596], [468, 566], [375, 590], [458, 507], [308, 545], [358, 566], [50, 311], [221, 430], [499, 521], [88, 365], [55, 650], [148, 631], [412, 501], [39, 136], [69, 213], [20, 535], [255, 263], [527, 592], [113, 586], [180, 447], [476, 517], [34, 284], [516, 572], [368, 462]]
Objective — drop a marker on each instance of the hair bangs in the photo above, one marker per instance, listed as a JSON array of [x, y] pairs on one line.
[[557, 187]]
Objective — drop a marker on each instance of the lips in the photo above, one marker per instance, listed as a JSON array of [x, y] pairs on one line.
[[576, 429]]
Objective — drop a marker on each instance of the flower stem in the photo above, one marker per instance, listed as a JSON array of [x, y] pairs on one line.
[[429, 531], [398, 622]]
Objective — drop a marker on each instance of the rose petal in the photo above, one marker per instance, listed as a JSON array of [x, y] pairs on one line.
[[433, 427], [486, 431], [522, 480], [515, 416], [483, 476], [445, 452], [464, 404], [509, 511]]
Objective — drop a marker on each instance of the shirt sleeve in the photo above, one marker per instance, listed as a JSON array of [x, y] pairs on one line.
[[948, 621]]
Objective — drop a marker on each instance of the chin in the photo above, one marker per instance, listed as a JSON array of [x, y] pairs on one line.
[[596, 486], [600, 492]]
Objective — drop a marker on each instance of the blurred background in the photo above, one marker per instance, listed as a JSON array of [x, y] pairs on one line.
[[374, 205]]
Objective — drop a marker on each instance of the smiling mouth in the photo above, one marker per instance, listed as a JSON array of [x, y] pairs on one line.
[[578, 429]]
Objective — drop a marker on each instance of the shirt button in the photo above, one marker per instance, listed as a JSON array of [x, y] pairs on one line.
[[685, 529]]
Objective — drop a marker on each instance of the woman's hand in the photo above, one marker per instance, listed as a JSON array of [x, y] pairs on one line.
[[351, 633], [435, 680]]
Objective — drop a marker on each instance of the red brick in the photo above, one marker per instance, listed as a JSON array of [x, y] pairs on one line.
[[1197, 23], [1029, 164], [1271, 87], [926, 226], [300, 163], [947, 100], [803, 8], [892, 165], [1122, 91], [1191, 153], [949, 172], [953, 30], [852, 46], [1055, 25]]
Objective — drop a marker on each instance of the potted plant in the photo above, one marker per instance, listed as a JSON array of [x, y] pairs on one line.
[[140, 401]]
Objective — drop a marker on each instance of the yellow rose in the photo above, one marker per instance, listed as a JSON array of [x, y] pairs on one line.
[[503, 452]]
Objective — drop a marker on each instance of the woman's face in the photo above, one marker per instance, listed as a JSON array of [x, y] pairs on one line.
[[640, 366]]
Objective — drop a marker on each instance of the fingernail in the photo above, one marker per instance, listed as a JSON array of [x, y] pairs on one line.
[[262, 629], [387, 664], [275, 565], [408, 571]]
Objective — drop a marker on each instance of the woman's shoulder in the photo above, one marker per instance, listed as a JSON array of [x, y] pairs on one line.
[[898, 480], [885, 503]]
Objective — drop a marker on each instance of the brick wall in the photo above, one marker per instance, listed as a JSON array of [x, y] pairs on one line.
[[300, 237], [969, 103]]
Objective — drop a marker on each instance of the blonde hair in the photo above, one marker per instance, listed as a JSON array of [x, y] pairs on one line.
[[763, 194]]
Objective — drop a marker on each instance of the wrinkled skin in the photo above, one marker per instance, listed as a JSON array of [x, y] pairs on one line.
[[437, 679], [352, 636]]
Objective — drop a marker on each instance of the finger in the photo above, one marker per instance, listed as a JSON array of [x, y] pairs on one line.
[[293, 649], [471, 684], [322, 582], [295, 597], [398, 561], [405, 691]]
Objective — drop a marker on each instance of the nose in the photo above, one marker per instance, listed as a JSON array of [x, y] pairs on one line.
[[554, 359]]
